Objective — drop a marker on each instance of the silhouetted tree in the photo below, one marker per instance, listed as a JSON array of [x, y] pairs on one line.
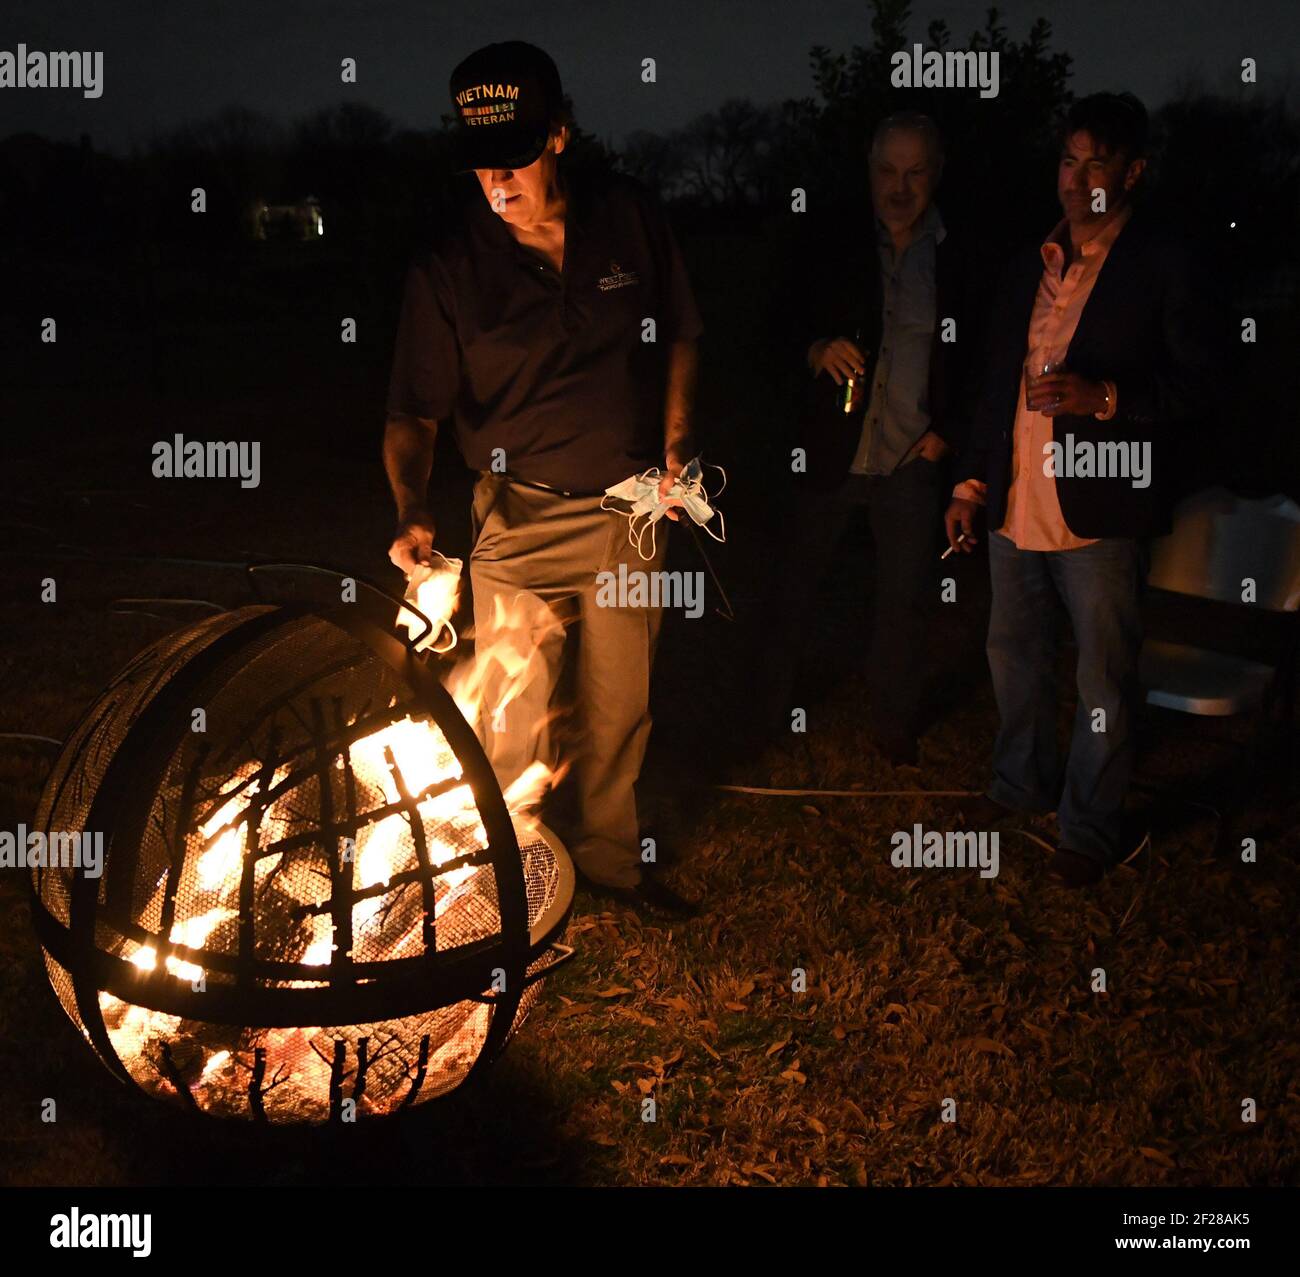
[[1001, 150]]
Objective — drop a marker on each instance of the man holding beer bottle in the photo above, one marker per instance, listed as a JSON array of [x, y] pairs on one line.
[[884, 407]]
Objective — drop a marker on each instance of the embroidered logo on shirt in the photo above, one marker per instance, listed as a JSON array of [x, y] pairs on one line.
[[617, 278]]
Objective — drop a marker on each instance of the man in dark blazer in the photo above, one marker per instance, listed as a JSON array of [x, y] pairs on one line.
[[882, 301], [1102, 356]]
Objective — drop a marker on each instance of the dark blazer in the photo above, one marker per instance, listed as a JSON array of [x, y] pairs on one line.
[[1151, 325], [835, 291]]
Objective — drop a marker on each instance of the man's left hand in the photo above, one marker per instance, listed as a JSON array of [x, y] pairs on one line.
[[1075, 395], [929, 446]]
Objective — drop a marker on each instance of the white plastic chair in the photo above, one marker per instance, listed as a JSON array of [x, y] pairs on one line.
[[1223, 548], [1221, 544]]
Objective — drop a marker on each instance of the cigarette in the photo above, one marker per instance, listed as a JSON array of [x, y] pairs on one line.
[[951, 548]]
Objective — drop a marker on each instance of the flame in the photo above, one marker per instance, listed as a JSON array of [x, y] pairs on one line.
[[215, 1061]]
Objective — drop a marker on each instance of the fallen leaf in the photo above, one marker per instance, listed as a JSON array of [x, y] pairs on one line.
[[1155, 1155], [573, 1008], [858, 1113], [676, 1003], [819, 1127], [637, 1018], [776, 1046], [614, 991], [990, 1047], [676, 1159]]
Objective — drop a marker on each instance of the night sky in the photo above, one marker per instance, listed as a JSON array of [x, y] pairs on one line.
[[169, 64]]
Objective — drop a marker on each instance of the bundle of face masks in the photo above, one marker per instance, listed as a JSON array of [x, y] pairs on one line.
[[638, 499]]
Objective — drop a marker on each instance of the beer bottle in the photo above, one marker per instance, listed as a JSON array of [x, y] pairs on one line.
[[851, 381]]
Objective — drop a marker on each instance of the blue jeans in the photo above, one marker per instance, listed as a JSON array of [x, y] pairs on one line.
[[1100, 587]]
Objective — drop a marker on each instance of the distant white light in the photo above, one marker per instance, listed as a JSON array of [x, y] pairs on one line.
[[1232, 226]]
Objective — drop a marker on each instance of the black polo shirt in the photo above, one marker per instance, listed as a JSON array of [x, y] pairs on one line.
[[550, 367]]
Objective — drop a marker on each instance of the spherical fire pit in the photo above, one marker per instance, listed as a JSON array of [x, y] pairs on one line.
[[317, 906]]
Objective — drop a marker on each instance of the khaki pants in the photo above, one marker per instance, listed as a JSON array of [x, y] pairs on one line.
[[533, 569]]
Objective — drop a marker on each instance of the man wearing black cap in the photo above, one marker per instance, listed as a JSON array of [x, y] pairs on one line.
[[553, 322]]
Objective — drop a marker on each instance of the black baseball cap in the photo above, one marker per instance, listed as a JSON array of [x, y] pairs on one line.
[[505, 96]]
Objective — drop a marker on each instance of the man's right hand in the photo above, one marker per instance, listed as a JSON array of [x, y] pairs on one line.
[[959, 519], [837, 356], [413, 541]]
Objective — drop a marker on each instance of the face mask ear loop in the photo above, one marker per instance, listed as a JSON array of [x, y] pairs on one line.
[[713, 466], [634, 533], [708, 528], [639, 538], [455, 638]]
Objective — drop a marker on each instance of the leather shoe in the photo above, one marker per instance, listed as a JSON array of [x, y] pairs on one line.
[[1074, 868]]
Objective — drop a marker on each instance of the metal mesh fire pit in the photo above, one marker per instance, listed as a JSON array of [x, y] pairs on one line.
[[319, 906]]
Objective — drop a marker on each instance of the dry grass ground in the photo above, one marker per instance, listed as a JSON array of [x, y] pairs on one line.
[[920, 986]]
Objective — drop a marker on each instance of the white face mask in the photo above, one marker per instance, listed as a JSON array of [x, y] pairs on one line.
[[435, 589], [646, 507]]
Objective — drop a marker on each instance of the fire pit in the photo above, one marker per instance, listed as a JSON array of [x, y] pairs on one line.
[[317, 907]]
